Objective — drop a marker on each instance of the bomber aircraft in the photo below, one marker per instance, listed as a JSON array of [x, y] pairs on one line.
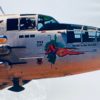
[[36, 46]]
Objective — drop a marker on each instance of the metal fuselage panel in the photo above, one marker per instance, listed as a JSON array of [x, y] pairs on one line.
[[38, 65], [35, 47]]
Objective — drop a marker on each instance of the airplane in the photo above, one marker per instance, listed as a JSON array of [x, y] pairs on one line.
[[37, 46]]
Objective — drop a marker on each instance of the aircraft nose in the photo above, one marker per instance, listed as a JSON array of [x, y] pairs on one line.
[[3, 39]]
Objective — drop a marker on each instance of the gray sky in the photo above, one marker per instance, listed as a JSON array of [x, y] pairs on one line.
[[77, 87], [69, 11]]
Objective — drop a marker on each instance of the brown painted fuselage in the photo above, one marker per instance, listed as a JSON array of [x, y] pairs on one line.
[[64, 66], [37, 46]]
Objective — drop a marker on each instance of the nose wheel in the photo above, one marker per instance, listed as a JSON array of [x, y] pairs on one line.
[[16, 86]]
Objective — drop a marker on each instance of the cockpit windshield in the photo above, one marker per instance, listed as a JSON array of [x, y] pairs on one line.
[[27, 23], [44, 20]]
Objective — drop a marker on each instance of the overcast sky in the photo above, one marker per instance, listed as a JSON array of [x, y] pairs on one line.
[[69, 11], [79, 87]]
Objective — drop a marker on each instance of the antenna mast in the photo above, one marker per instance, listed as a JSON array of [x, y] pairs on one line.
[[2, 10]]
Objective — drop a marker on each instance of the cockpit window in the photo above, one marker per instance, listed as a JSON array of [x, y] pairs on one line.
[[43, 20], [12, 24], [27, 23]]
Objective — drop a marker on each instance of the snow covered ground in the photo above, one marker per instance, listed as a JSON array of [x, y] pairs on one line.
[[78, 87]]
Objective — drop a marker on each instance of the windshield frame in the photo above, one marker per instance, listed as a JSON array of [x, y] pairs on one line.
[[44, 21]]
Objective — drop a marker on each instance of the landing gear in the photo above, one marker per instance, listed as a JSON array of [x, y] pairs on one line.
[[16, 86]]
